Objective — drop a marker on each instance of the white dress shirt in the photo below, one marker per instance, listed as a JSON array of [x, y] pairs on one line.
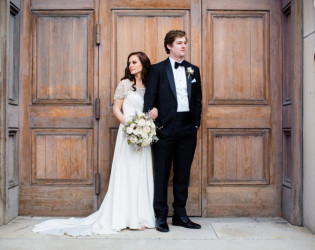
[[181, 87]]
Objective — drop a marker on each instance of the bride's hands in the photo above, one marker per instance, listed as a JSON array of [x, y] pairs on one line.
[[154, 113]]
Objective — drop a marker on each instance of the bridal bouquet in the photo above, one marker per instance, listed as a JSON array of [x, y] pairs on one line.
[[140, 131]]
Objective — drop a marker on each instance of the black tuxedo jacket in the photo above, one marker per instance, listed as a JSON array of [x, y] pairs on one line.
[[161, 94]]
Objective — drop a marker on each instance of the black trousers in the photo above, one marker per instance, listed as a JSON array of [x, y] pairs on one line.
[[178, 148]]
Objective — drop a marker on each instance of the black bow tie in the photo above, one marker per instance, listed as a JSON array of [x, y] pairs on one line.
[[177, 64]]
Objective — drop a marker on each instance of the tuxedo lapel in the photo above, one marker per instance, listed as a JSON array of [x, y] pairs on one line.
[[188, 78], [170, 76]]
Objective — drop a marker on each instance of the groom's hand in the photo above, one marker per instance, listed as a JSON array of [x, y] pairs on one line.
[[153, 113]]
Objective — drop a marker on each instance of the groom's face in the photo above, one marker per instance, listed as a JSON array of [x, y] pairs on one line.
[[178, 48]]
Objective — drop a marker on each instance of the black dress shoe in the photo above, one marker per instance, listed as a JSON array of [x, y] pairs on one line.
[[184, 221], [161, 225]]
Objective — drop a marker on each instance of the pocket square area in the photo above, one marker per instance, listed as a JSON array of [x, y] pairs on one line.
[[194, 80]]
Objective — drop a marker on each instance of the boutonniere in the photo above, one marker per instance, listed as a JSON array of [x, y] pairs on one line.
[[189, 71]]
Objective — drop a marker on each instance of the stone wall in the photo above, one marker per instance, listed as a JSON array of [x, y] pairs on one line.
[[309, 114]]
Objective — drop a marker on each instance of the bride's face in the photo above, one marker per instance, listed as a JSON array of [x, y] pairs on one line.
[[135, 65]]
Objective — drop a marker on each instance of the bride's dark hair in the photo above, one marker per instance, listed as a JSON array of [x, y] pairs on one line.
[[145, 61]]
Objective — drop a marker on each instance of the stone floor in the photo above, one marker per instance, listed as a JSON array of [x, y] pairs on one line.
[[216, 234]]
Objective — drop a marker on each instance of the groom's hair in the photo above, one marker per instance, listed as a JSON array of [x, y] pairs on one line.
[[171, 36]]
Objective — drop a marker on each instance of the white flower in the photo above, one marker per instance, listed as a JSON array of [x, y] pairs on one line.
[[129, 130], [146, 129], [133, 139], [190, 71], [141, 122], [140, 130]]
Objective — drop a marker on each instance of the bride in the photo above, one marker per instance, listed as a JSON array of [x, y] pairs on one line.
[[129, 199]]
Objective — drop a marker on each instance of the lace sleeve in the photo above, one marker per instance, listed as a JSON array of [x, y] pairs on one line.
[[121, 90]]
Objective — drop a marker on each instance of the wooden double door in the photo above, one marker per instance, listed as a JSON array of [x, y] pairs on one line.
[[73, 54]]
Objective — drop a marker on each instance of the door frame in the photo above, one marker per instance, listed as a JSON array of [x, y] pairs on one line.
[[297, 158], [4, 37], [109, 12], [9, 182], [296, 216], [47, 189]]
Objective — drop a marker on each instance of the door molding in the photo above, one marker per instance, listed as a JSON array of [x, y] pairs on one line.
[[103, 12], [292, 197], [118, 39], [4, 36], [9, 109], [297, 215], [59, 74]]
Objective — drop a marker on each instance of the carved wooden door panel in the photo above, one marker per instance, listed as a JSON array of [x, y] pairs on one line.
[[242, 108], [129, 26], [58, 150]]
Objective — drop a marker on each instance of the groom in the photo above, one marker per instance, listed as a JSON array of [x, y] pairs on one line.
[[173, 97]]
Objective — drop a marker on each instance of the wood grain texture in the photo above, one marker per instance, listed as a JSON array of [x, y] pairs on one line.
[[292, 112], [127, 27], [14, 46], [238, 48], [152, 26], [107, 119], [24, 97], [62, 157], [238, 45], [61, 117], [4, 79], [238, 157], [242, 108], [9, 72], [242, 201], [56, 201], [63, 57], [59, 142], [247, 116], [287, 109], [61, 4], [238, 5], [12, 158], [12, 109], [288, 54], [297, 138], [150, 4], [287, 161]]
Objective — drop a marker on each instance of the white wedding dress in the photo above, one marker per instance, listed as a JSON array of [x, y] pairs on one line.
[[129, 199]]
